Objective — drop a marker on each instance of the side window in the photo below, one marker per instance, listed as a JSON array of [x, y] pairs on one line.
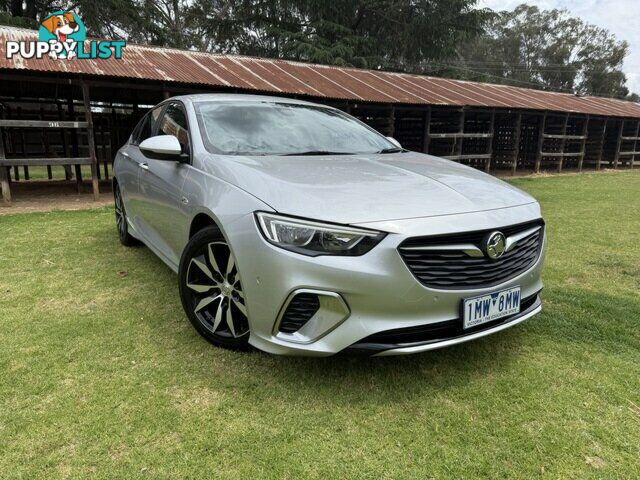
[[135, 136], [174, 122], [145, 128]]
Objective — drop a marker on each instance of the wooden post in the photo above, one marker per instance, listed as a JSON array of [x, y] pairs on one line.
[[115, 131], [426, 139], [602, 139], [635, 143], [585, 132], [4, 173], [91, 139], [104, 124], [516, 149], [71, 113], [392, 121], [563, 142], [458, 141], [487, 165], [63, 137], [7, 170], [24, 147], [45, 143], [616, 158], [541, 128], [99, 150], [16, 169]]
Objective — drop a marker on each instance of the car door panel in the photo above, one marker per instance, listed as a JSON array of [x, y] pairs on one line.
[[128, 168], [133, 161], [162, 213], [161, 206]]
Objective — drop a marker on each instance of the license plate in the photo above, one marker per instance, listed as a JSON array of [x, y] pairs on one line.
[[490, 307]]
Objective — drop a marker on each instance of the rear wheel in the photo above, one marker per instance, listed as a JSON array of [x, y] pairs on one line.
[[211, 290], [121, 220]]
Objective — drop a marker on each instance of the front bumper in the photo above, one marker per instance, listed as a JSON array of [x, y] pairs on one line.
[[378, 288], [387, 349]]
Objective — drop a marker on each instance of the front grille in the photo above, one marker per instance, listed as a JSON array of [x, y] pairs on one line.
[[455, 270], [299, 311], [433, 332]]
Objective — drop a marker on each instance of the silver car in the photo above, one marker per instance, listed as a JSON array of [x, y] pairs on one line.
[[297, 229]]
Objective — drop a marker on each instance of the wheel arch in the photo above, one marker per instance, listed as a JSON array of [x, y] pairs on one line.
[[200, 221]]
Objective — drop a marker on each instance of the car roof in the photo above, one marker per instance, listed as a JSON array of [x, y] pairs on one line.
[[241, 97]]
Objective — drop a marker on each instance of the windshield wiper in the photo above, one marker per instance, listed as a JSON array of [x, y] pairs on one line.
[[391, 150], [316, 152]]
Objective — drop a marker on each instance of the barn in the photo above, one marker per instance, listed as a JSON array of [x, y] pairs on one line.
[[70, 116]]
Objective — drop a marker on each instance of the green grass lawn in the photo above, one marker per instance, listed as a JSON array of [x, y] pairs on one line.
[[102, 376]]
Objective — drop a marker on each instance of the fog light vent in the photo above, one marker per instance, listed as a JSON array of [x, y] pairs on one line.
[[300, 310]]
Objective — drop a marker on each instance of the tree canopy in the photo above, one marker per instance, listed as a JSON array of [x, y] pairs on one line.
[[546, 49]]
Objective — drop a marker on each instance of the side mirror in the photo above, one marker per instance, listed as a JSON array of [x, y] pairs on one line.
[[162, 147], [394, 141]]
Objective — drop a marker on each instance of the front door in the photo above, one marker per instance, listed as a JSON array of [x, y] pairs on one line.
[[160, 182], [135, 161]]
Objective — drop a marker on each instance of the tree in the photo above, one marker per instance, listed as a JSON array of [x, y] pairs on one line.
[[549, 49], [390, 34], [157, 22], [529, 47]]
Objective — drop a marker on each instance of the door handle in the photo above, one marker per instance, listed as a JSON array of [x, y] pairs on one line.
[[144, 166]]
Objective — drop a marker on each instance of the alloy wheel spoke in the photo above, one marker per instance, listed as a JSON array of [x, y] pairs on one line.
[[200, 288], [206, 301], [203, 268], [231, 263], [213, 262], [240, 307], [230, 321], [218, 316]]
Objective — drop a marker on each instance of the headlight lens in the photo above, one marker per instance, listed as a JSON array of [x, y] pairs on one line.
[[315, 238]]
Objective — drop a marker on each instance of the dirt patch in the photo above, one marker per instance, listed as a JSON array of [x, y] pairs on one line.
[[46, 196], [45, 203]]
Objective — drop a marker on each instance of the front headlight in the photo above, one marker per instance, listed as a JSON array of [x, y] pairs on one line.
[[314, 238]]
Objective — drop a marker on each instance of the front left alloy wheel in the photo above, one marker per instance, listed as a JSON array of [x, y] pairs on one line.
[[211, 290]]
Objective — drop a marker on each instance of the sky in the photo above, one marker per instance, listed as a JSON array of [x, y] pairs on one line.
[[621, 17]]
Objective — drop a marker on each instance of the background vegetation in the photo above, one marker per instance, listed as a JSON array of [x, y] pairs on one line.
[[454, 38], [102, 376]]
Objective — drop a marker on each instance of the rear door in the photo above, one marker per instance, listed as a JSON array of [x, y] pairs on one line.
[[162, 211]]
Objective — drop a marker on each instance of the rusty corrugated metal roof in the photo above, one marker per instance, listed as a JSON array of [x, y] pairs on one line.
[[320, 81]]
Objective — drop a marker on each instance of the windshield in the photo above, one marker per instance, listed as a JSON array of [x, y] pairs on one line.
[[267, 128]]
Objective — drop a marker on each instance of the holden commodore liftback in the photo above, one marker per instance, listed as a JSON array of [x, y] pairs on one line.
[[297, 229]]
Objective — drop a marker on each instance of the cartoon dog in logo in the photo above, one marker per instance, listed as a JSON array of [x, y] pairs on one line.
[[61, 26]]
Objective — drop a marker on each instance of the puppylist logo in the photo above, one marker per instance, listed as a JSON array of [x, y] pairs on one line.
[[63, 35]]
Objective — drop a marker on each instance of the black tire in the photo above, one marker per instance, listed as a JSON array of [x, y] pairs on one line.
[[211, 291], [121, 220]]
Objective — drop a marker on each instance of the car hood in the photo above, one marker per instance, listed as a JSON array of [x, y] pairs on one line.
[[353, 189]]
